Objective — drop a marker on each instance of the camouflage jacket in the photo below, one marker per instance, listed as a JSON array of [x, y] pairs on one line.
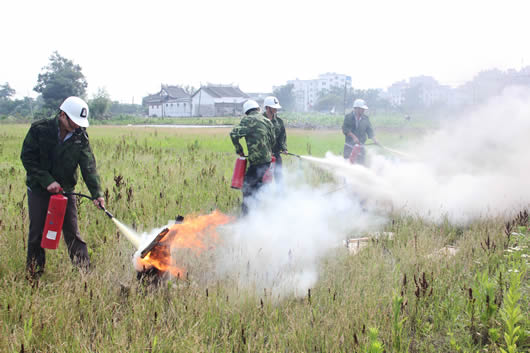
[[362, 128], [280, 143], [46, 160], [259, 135]]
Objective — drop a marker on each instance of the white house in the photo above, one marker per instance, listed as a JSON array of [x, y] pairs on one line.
[[218, 100], [171, 101]]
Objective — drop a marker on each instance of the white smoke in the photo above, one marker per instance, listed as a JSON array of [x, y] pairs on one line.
[[475, 166], [278, 245]]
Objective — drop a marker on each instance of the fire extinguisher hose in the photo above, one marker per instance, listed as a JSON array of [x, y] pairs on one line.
[[90, 198], [292, 154]]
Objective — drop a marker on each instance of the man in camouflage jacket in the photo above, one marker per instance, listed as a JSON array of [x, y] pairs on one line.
[[357, 128], [258, 132], [51, 154], [271, 106]]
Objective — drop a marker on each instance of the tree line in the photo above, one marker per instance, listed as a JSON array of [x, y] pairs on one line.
[[60, 79]]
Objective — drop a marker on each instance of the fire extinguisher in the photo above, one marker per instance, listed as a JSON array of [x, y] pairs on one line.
[[239, 173], [355, 151], [54, 221], [269, 174]]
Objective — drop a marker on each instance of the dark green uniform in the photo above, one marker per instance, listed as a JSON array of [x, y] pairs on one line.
[[258, 132], [361, 128], [280, 145], [46, 159]]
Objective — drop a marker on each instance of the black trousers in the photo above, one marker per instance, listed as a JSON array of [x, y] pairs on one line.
[[253, 182], [38, 209]]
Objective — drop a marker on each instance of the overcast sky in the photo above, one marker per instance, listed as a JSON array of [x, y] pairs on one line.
[[130, 47]]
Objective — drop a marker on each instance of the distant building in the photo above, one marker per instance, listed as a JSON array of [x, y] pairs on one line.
[[171, 101], [259, 97], [307, 92], [218, 100], [430, 92], [395, 94]]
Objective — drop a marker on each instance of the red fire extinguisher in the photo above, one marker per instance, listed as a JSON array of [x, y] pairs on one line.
[[269, 174], [239, 173], [355, 151], [54, 222]]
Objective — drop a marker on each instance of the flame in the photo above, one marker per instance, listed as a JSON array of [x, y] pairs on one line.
[[195, 233]]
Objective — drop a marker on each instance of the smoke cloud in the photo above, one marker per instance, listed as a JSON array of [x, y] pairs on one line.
[[278, 245], [475, 166]]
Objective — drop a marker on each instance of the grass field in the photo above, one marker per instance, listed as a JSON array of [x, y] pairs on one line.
[[306, 121], [394, 296]]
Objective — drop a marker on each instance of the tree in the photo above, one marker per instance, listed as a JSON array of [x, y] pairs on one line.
[[118, 108], [6, 92], [19, 108], [334, 99], [330, 100], [372, 97], [285, 96], [60, 80], [100, 104]]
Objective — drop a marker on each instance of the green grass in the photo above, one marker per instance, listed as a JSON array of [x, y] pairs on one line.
[[291, 119], [354, 307]]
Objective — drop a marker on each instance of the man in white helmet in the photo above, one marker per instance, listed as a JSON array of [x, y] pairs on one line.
[[258, 132], [271, 106], [51, 154], [357, 128]]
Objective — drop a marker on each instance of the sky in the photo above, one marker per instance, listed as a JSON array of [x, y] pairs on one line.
[[131, 47]]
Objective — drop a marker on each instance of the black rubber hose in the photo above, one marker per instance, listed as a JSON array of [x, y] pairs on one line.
[[92, 199]]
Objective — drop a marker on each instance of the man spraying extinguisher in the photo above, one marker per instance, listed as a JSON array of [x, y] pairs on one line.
[[258, 132], [357, 129], [51, 154]]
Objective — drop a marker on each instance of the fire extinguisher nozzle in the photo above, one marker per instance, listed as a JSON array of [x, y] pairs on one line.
[[108, 214]]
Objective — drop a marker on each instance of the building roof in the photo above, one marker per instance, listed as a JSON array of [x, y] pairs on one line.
[[223, 91], [167, 93], [152, 98], [175, 91]]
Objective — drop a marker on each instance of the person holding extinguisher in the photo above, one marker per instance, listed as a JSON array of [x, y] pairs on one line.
[[271, 106], [357, 128], [258, 132], [51, 154]]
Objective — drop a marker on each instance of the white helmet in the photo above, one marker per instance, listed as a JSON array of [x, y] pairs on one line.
[[76, 109], [360, 103], [249, 104], [272, 102]]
